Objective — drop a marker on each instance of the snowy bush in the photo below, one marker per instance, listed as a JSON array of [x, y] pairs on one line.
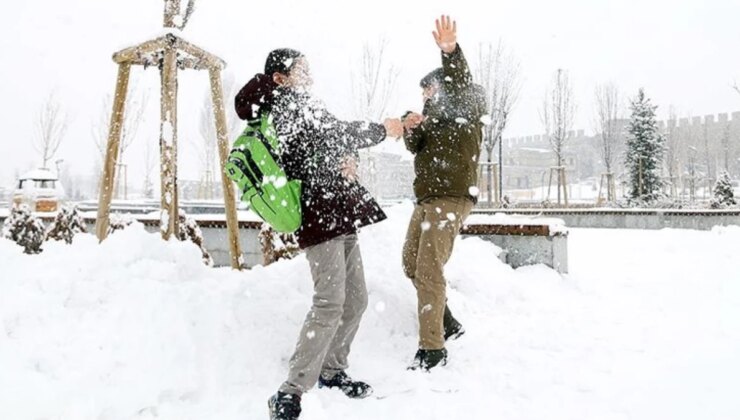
[[724, 196], [66, 225], [277, 246], [190, 231], [118, 222], [25, 229]]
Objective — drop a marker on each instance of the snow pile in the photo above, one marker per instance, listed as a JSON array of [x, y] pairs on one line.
[[647, 326]]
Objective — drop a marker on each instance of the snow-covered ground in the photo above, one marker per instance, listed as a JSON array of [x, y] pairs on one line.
[[646, 326]]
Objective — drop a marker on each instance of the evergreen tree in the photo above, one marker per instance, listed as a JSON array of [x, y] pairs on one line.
[[724, 196], [645, 150]]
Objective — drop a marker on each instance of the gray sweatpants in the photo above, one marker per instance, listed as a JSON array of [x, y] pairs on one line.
[[339, 300]]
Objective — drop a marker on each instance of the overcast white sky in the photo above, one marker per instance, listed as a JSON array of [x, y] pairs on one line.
[[683, 52]]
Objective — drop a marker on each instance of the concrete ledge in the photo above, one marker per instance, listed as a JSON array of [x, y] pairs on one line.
[[525, 244], [631, 218]]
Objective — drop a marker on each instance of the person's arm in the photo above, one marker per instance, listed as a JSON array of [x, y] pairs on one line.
[[414, 139], [454, 65]]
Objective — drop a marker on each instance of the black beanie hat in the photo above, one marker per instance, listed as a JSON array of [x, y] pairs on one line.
[[281, 61], [435, 77]]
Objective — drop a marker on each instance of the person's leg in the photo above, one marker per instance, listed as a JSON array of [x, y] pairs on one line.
[[355, 304], [328, 271], [443, 218], [411, 243]]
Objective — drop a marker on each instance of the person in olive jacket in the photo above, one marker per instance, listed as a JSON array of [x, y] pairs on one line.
[[446, 140]]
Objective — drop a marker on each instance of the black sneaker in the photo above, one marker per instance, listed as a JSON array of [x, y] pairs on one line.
[[453, 329], [428, 359], [284, 406], [352, 389]]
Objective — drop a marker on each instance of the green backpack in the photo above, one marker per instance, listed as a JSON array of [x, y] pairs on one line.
[[253, 165]]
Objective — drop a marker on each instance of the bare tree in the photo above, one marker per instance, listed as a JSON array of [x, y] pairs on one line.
[[51, 126], [558, 113], [150, 163], [498, 72], [134, 111], [373, 82], [674, 150], [607, 121], [207, 144]]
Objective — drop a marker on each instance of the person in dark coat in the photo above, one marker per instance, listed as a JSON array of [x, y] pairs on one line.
[[320, 150]]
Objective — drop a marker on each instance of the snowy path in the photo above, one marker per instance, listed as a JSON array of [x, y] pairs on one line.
[[646, 326]]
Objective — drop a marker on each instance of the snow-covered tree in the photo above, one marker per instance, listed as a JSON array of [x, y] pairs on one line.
[[277, 246], [190, 231], [724, 196], [25, 229], [645, 150], [66, 225]]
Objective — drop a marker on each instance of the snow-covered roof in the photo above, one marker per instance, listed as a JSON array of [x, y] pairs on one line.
[[40, 175]]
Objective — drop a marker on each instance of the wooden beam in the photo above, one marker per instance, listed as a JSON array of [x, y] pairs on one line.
[[111, 154], [169, 224], [199, 53], [137, 52], [237, 261]]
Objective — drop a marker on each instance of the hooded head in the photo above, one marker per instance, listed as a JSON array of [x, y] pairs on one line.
[[255, 97], [432, 82], [288, 68]]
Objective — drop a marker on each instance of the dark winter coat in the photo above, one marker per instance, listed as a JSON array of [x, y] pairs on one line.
[[313, 144], [447, 144]]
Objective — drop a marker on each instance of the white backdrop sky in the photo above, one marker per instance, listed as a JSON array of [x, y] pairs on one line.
[[683, 52]]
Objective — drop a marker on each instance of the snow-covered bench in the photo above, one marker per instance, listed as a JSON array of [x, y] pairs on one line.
[[525, 240]]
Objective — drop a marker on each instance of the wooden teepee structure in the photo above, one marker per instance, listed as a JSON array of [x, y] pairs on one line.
[[169, 53]]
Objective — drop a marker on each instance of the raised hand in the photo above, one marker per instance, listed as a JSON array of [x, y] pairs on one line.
[[446, 34]]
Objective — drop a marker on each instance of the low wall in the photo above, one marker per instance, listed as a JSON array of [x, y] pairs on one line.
[[631, 218]]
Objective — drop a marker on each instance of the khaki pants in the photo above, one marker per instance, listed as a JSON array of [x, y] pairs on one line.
[[340, 299], [434, 226]]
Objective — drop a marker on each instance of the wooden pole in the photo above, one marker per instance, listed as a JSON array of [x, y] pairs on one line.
[[232, 223], [171, 9], [565, 185], [169, 224], [111, 154]]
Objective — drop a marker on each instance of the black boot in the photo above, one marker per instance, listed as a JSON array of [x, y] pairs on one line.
[[453, 329], [427, 359], [352, 389], [284, 406]]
